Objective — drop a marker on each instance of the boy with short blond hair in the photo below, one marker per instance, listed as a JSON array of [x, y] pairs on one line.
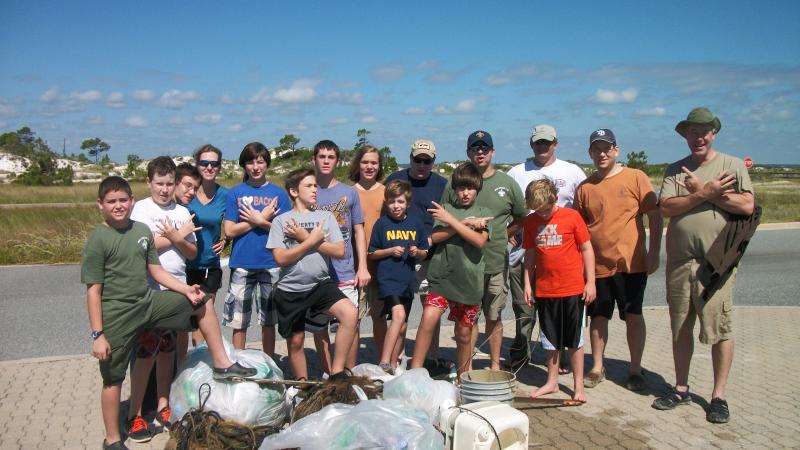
[[398, 241], [117, 258], [558, 251]]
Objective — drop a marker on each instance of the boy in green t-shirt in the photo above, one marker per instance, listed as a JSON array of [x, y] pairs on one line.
[[117, 258], [455, 275]]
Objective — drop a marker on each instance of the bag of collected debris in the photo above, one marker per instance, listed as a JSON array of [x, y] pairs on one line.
[[369, 424], [416, 388], [246, 403]]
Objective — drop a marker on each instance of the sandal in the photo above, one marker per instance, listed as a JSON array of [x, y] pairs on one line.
[[592, 379], [672, 399], [386, 367], [718, 411]]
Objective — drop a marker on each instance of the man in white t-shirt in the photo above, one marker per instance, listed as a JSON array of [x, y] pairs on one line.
[[567, 177]]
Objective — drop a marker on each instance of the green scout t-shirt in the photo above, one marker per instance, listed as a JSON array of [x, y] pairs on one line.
[[118, 260], [690, 235], [457, 268], [503, 198]]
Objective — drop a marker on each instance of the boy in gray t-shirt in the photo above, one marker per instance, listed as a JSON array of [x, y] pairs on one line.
[[302, 241]]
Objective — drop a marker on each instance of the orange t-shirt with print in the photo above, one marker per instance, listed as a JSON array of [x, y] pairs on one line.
[[557, 240]]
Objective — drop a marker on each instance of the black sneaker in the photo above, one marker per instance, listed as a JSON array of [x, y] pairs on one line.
[[162, 417], [718, 411], [235, 370], [671, 400], [138, 430], [115, 446]]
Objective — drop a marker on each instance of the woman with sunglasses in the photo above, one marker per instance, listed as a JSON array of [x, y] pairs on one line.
[[208, 208], [366, 172]]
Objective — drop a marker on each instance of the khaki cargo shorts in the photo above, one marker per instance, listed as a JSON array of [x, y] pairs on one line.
[[684, 289]]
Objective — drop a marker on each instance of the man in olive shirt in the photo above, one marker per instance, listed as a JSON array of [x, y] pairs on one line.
[[504, 200], [700, 194]]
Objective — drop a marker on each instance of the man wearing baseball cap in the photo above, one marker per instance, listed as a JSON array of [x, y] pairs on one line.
[[567, 177], [613, 202], [504, 200], [426, 186], [700, 194]]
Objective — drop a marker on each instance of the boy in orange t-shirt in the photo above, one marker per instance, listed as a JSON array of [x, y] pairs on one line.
[[558, 249]]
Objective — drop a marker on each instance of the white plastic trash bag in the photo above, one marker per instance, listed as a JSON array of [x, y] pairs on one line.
[[384, 424], [245, 403], [373, 372], [417, 389]]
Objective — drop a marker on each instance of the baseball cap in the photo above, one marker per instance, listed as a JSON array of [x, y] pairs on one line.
[[480, 136], [545, 132], [698, 116], [603, 134], [423, 147]]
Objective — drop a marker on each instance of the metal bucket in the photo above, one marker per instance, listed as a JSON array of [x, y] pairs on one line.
[[487, 385]]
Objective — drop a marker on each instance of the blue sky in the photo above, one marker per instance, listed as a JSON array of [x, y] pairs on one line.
[[165, 77]]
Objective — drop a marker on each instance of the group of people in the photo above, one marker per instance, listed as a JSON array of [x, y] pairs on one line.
[[319, 255]]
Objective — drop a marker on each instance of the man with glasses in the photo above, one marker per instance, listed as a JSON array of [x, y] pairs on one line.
[[426, 187], [504, 200], [701, 194], [613, 202], [567, 177]]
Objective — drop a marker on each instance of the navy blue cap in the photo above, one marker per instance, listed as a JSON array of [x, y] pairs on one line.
[[480, 136], [603, 134]]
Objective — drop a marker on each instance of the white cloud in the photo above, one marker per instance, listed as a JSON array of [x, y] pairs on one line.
[[657, 111], [226, 99], [262, 96], [414, 111], [465, 106], [114, 100], [338, 121], [86, 96], [208, 119], [369, 119], [604, 113], [177, 120], [144, 95], [441, 110], [176, 99], [235, 128], [344, 98], [498, 80], [136, 122], [95, 120], [49, 96], [608, 96], [388, 72], [7, 110], [301, 91]]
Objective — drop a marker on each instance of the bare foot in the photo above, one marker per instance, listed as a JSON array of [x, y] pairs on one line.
[[579, 396], [544, 390]]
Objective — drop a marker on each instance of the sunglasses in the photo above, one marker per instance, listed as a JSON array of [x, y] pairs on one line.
[[423, 160], [480, 149], [206, 163]]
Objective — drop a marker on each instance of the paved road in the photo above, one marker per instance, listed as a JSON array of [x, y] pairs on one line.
[[43, 308]]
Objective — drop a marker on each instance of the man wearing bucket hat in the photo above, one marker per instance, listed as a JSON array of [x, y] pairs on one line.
[[567, 177], [700, 194]]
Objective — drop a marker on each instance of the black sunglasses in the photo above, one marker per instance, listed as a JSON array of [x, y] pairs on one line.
[[419, 160], [206, 163]]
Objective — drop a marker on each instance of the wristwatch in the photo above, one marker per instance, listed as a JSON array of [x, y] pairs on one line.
[[96, 334]]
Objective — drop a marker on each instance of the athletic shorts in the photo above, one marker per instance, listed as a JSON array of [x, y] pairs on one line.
[[560, 322], [391, 301], [210, 280], [466, 315], [294, 309], [495, 294], [153, 342], [624, 289], [246, 287], [684, 289], [320, 322], [125, 320]]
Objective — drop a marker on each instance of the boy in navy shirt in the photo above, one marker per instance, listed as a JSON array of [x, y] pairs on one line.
[[398, 241]]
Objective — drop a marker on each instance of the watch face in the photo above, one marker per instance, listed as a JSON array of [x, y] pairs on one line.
[[96, 334]]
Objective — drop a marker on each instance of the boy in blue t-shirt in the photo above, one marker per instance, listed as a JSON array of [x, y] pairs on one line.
[[397, 242], [251, 207]]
